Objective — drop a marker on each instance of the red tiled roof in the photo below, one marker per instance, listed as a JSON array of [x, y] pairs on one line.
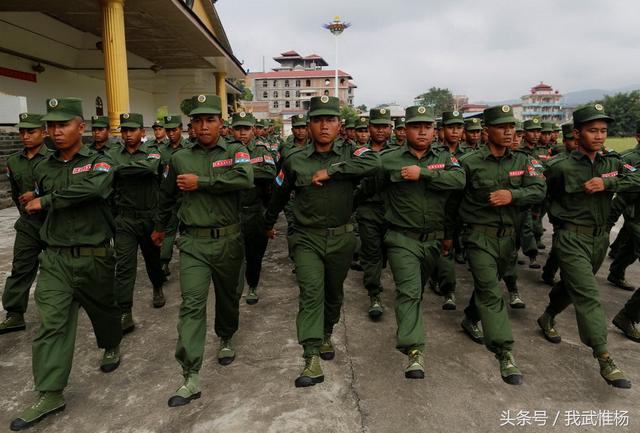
[[322, 73], [312, 56], [542, 86], [290, 53]]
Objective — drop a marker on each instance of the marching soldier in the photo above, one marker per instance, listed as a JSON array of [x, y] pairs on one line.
[[101, 142], [472, 132], [362, 131], [399, 132], [159, 135]]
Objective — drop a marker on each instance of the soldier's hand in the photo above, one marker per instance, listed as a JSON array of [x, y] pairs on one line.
[[446, 245], [187, 182], [271, 233], [319, 177], [594, 185], [26, 197], [157, 238], [33, 206], [410, 172], [501, 197]]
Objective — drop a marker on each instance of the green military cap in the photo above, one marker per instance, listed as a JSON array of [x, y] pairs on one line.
[[158, 124], [172, 120], [452, 118], [499, 115], [546, 127], [399, 122], [380, 116], [131, 120], [567, 130], [324, 106], [205, 104], [62, 109], [99, 121], [473, 124], [362, 123], [531, 124], [259, 123], [242, 119], [350, 124], [590, 112], [556, 127], [418, 113], [519, 126], [30, 121], [299, 120]]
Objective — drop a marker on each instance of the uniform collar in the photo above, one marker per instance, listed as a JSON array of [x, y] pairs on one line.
[[486, 152], [406, 149], [42, 151], [311, 148], [222, 143], [577, 155]]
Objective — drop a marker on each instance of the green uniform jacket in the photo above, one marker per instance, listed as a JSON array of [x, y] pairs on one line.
[[166, 151], [368, 192], [264, 171], [21, 174], [485, 174], [566, 175], [420, 205], [223, 170], [330, 205], [74, 196], [111, 144]]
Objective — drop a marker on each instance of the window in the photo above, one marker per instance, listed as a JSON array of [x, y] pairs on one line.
[[275, 83], [308, 83], [287, 94], [265, 83], [297, 83], [287, 104], [275, 94], [297, 93], [297, 104], [275, 104], [265, 95], [286, 83], [342, 81]]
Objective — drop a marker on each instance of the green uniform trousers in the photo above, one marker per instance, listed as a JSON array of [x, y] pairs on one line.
[[26, 248], [322, 262], [580, 257], [622, 241], [166, 251], [255, 242], [489, 258], [131, 233], [203, 260], [551, 266], [537, 213], [371, 230], [627, 251], [527, 235], [412, 262], [66, 283]]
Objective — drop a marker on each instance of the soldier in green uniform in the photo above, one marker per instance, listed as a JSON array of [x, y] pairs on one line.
[[77, 266], [581, 185], [254, 200], [417, 180], [137, 174], [208, 178], [472, 132], [370, 218], [191, 134], [499, 182], [399, 132], [350, 130], [519, 135], [362, 131], [324, 176], [101, 141], [27, 245], [159, 135], [444, 275], [173, 127], [299, 135]]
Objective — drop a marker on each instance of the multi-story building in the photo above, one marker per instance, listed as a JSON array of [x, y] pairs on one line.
[[544, 103], [289, 87]]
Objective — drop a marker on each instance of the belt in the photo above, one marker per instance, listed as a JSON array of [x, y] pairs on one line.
[[584, 230], [329, 231], [82, 251], [420, 236], [494, 232], [212, 232]]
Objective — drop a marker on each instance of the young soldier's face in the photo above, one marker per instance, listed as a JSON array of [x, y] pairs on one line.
[[207, 128], [351, 133], [501, 135], [324, 129], [518, 138], [532, 136], [545, 138], [362, 136], [401, 134], [420, 134], [592, 135], [67, 134], [132, 136], [100, 135], [300, 133], [379, 133], [32, 137], [554, 135], [473, 137], [570, 144], [243, 134], [453, 134], [174, 134], [159, 132]]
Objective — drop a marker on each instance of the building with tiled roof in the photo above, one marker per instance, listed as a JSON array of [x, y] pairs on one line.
[[544, 103]]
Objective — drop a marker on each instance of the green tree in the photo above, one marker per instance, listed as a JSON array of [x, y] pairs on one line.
[[362, 108], [625, 109], [348, 112], [245, 92], [439, 99]]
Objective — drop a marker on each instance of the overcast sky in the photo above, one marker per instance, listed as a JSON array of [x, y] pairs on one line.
[[488, 50]]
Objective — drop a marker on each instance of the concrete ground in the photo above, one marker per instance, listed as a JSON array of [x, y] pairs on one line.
[[364, 390]]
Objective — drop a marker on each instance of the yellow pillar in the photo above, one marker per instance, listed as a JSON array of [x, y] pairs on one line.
[[221, 91], [115, 60]]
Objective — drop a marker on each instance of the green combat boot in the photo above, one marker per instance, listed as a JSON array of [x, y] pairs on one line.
[[620, 282], [311, 373], [545, 322], [327, 352], [14, 322], [533, 263], [515, 301], [415, 369], [48, 403], [508, 369], [449, 302], [627, 326], [472, 330], [252, 296], [126, 323], [158, 297], [375, 308], [226, 354], [110, 360], [190, 390], [611, 373]]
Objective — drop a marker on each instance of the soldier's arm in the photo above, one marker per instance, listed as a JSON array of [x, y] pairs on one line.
[[619, 203], [15, 188], [282, 188], [451, 177], [168, 198], [533, 187], [363, 162], [238, 177], [97, 184], [627, 179], [264, 165], [150, 166]]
